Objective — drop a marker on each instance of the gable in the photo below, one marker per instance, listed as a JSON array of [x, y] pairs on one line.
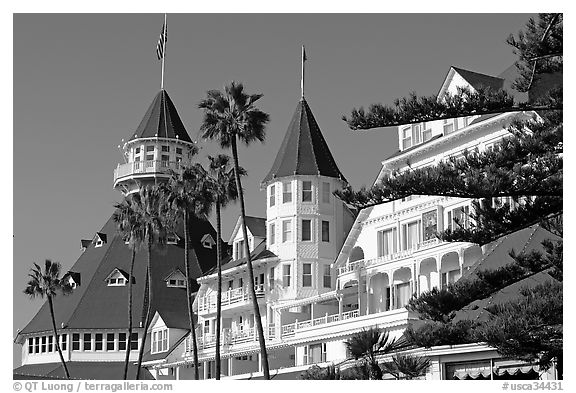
[[207, 241]]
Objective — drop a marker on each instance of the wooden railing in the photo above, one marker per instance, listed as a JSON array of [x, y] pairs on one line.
[[291, 328], [151, 166], [231, 296]]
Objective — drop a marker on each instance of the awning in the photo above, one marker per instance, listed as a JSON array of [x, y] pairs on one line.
[[308, 300]]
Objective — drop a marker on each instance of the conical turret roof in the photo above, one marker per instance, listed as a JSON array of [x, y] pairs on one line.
[[161, 120], [304, 150]]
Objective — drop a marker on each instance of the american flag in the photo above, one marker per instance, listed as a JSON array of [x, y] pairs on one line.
[[161, 46]]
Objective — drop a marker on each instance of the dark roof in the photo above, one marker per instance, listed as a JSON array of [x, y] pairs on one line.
[[498, 252], [102, 236], [85, 243], [75, 276], [79, 370], [257, 226], [304, 150], [477, 310], [398, 152], [476, 79], [161, 120], [259, 252], [95, 305]]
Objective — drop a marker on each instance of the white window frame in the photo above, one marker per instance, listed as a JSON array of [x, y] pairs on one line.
[[380, 249], [309, 225], [272, 232], [272, 196], [324, 240], [406, 137], [325, 192], [327, 274], [159, 340], [287, 192], [307, 275], [286, 231], [287, 278], [307, 192]]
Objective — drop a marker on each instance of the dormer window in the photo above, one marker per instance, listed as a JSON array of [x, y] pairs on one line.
[[176, 279], [99, 239], [207, 241], [71, 279], [84, 244], [240, 249], [117, 278], [159, 341], [448, 126]]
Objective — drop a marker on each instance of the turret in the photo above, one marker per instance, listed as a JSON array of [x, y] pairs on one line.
[[159, 144]]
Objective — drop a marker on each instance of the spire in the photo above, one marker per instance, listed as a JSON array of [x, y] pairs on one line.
[[304, 150], [304, 58], [161, 120]]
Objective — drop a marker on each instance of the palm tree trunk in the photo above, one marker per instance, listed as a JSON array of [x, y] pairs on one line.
[[56, 337], [149, 308], [261, 340], [188, 295], [219, 293], [127, 359]]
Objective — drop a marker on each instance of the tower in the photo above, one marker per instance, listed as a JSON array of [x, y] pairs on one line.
[[306, 224], [159, 144]]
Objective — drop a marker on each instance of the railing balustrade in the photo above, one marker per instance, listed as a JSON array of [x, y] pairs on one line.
[[148, 166], [231, 296]]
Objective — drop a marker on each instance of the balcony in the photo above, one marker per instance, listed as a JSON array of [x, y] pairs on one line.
[[357, 265], [207, 304], [144, 167], [290, 329]]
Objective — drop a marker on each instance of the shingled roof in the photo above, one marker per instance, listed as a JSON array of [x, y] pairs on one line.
[[80, 370], [95, 305], [304, 150], [476, 79], [161, 120]]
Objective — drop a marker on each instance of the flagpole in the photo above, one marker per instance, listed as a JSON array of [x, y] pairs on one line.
[[302, 80], [164, 28]]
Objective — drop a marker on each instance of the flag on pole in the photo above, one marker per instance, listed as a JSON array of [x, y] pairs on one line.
[[161, 46], [304, 58]]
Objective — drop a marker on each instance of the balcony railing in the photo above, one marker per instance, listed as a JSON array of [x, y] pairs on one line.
[[291, 328], [353, 266], [152, 166], [231, 296]]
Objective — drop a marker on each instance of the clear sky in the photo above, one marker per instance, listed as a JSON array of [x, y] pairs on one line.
[[82, 83]]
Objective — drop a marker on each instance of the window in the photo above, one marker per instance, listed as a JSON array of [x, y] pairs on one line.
[[271, 278], [416, 134], [165, 157], [406, 138], [327, 278], [230, 284], [30, 345], [286, 275], [43, 344], [98, 341], [426, 135], [178, 150], [272, 197], [306, 230], [240, 282], [159, 341], [410, 235], [122, 341], [325, 231], [306, 274], [387, 242], [208, 241], [87, 341], [207, 326], [315, 353], [165, 149], [448, 126], [325, 192], [134, 342], [402, 294], [110, 341], [149, 148], [64, 342], [137, 150], [306, 191], [286, 231], [75, 341], [459, 217], [240, 249], [272, 233], [149, 157], [429, 225], [286, 192]]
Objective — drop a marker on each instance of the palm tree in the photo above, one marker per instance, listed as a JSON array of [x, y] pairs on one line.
[[222, 184], [366, 344], [48, 283], [407, 366], [228, 116], [188, 195], [129, 225], [153, 216]]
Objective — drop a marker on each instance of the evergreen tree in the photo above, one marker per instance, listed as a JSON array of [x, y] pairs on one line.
[[517, 184]]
